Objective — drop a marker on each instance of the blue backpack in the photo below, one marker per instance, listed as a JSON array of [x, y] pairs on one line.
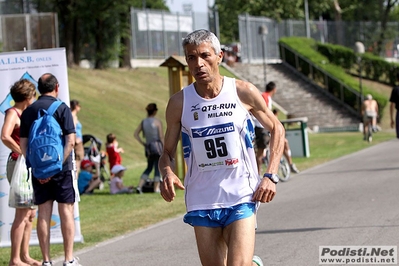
[[45, 152]]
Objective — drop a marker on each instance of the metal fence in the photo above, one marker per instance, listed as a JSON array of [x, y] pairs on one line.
[[342, 33], [158, 34], [28, 31]]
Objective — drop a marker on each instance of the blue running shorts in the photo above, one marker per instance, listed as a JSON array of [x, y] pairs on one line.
[[221, 217]]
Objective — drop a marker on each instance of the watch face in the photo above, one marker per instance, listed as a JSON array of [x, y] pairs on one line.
[[272, 177]]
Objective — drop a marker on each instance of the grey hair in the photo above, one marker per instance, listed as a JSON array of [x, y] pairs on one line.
[[200, 36]]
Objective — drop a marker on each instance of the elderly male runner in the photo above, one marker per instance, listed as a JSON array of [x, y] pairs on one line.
[[222, 182]]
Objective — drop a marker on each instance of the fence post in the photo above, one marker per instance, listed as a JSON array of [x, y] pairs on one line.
[[247, 32], [176, 70], [133, 45], [27, 32], [149, 39]]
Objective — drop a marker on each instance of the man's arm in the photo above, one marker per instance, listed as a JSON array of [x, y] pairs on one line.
[[172, 136], [252, 99], [255, 103], [69, 144]]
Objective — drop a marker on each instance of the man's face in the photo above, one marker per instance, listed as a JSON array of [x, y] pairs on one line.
[[202, 62]]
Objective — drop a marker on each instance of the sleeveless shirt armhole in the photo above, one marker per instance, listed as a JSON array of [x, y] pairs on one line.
[[15, 109]]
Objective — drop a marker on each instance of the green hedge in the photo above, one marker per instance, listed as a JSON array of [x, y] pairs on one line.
[[336, 61], [374, 67]]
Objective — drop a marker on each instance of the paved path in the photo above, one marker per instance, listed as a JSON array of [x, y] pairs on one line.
[[353, 201]]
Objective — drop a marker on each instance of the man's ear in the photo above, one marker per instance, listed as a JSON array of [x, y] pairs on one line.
[[221, 54]]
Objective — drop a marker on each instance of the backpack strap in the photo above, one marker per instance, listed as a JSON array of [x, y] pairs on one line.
[[53, 107]]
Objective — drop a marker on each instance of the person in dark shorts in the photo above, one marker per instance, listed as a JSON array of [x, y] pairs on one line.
[[59, 187], [394, 99]]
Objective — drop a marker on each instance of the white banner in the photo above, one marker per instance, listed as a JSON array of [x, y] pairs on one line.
[[164, 22], [29, 65]]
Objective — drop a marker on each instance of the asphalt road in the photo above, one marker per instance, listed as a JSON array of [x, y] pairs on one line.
[[351, 201]]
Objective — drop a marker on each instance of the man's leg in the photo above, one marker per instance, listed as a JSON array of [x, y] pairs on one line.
[[374, 123], [67, 228], [287, 154], [365, 128], [287, 151], [43, 228], [211, 246], [240, 239], [233, 245]]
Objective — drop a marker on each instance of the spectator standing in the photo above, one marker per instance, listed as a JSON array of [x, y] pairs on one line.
[[262, 136], [113, 151], [116, 186], [153, 134], [394, 99], [23, 92], [78, 149], [222, 184], [60, 186]]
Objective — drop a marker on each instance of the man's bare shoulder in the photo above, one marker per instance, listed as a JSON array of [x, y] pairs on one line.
[[245, 85], [175, 104], [246, 89]]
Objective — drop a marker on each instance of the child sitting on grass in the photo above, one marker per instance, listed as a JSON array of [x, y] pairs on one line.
[[116, 186], [87, 181]]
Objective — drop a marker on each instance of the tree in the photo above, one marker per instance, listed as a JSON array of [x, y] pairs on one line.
[[385, 8], [98, 30], [274, 9]]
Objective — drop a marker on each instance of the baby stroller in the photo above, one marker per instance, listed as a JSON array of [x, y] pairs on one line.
[[92, 152]]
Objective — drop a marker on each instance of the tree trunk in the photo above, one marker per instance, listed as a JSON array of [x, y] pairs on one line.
[[99, 59], [77, 44], [384, 22], [339, 24], [65, 15], [125, 56]]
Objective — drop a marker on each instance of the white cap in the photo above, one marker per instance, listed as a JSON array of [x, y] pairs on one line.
[[117, 168]]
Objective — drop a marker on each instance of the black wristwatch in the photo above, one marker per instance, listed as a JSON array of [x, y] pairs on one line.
[[273, 177]]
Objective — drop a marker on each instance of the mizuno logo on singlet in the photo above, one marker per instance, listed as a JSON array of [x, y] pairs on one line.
[[212, 130], [194, 107]]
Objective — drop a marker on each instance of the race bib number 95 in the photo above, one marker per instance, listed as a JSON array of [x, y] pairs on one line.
[[216, 146]]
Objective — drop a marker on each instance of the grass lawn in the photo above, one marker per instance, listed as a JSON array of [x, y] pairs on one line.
[[114, 101]]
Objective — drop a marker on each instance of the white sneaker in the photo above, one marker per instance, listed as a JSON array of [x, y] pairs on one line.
[[294, 169], [47, 263], [257, 260], [74, 262]]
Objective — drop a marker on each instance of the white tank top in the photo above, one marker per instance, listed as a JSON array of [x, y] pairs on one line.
[[217, 139]]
